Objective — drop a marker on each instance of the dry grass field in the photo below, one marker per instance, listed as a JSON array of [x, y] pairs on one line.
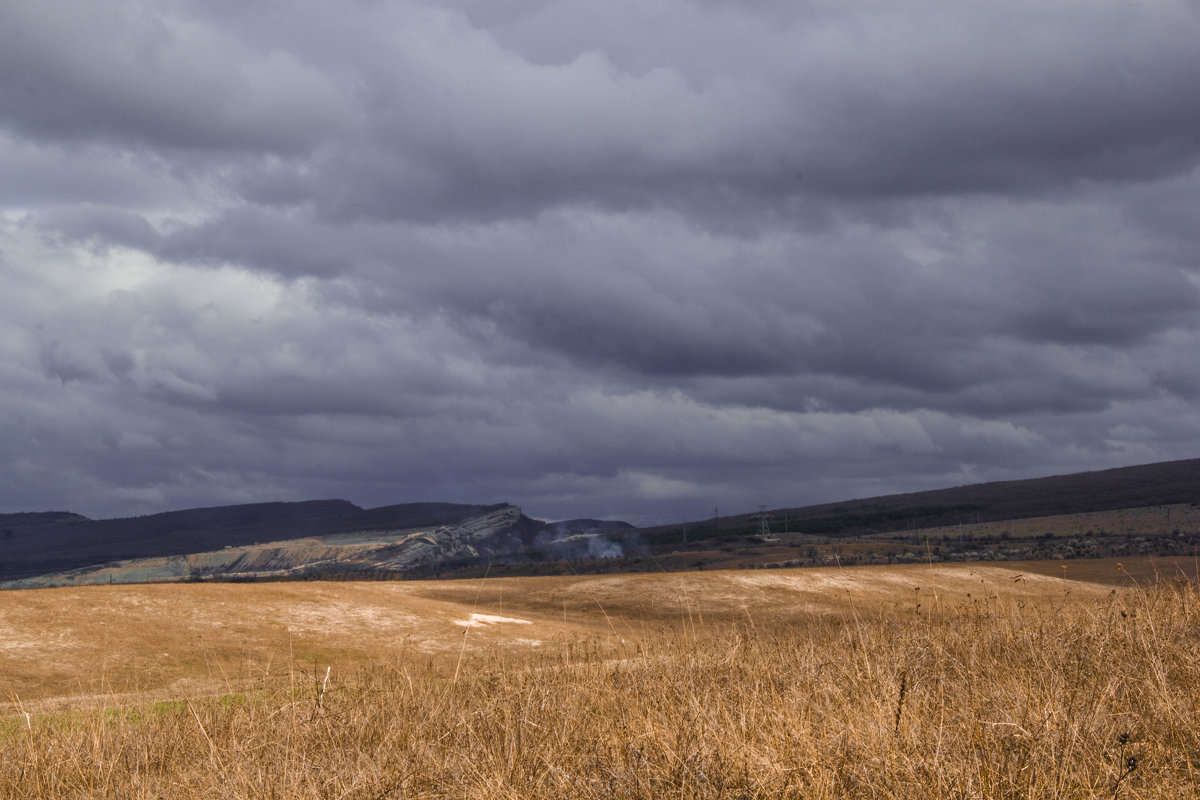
[[943, 681]]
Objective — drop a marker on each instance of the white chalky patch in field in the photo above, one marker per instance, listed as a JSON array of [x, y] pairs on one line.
[[477, 620], [344, 615]]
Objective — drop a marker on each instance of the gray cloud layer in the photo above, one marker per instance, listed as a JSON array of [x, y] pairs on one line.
[[596, 258]]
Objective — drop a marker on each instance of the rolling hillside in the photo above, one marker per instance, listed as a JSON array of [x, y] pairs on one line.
[[254, 537], [934, 681], [1152, 509], [1161, 484]]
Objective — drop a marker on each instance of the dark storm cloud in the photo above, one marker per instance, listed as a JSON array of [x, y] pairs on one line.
[[83, 72], [917, 100], [619, 258], [102, 225], [37, 174]]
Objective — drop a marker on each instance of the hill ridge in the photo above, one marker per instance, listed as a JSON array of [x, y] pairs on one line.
[[1142, 485], [337, 537]]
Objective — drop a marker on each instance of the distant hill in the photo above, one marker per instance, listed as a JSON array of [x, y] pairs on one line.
[[1160, 484], [31, 518], [335, 538], [38, 543]]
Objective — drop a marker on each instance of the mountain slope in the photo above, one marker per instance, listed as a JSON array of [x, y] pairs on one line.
[[336, 537], [1160, 484], [33, 544], [469, 534]]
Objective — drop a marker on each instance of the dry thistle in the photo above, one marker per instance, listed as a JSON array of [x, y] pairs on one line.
[[900, 700], [1130, 763]]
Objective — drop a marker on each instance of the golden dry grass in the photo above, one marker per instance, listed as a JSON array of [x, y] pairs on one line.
[[952, 682]]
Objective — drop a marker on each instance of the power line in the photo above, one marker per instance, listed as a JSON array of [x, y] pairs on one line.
[[764, 521]]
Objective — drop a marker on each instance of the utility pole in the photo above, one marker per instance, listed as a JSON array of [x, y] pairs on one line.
[[764, 521], [716, 518]]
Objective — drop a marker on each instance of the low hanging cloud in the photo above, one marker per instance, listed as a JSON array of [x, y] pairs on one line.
[[542, 253]]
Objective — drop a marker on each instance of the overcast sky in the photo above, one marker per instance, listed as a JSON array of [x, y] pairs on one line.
[[606, 258]]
